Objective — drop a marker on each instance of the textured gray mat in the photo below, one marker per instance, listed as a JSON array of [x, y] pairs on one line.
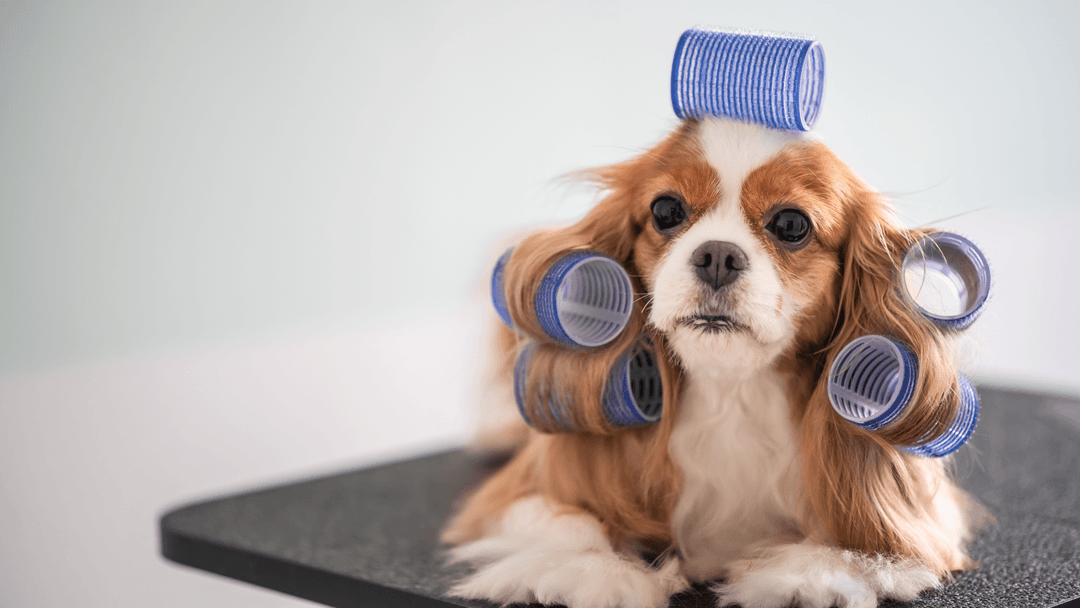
[[368, 537]]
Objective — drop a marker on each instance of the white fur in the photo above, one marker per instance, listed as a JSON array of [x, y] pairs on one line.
[[535, 554], [737, 451], [814, 576], [736, 148]]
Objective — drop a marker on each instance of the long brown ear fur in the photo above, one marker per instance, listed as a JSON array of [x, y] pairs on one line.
[[624, 477], [607, 229], [865, 493]]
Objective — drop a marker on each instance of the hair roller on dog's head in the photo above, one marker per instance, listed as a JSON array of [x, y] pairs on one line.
[[631, 392], [584, 299], [769, 78]]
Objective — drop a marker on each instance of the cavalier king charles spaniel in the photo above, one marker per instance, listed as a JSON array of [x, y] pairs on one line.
[[756, 254]]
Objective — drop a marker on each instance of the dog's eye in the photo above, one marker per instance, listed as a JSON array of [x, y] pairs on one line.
[[790, 226], [668, 213]]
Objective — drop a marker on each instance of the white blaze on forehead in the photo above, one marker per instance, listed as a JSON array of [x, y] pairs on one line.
[[735, 149]]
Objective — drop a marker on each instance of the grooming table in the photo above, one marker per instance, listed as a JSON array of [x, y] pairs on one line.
[[368, 537]]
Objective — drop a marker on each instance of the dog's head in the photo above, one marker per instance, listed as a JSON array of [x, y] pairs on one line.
[[741, 243], [751, 247]]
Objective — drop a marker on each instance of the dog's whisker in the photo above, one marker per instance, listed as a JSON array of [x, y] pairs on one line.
[[961, 214]]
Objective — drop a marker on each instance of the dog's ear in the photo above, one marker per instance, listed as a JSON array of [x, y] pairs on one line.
[[868, 494], [576, 377], [871, 302], [612, 227], [609, 228]]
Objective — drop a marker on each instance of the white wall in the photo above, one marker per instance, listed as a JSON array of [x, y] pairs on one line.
[[183, 173], [210, 210]]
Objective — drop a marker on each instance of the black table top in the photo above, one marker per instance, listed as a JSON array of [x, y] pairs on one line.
[[369, 537]]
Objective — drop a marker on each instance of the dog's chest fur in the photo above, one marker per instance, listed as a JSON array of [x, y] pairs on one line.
[[735, 444]]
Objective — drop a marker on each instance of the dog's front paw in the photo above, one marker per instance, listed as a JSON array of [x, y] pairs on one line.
[[821, 589], [536, 553], [576, 579], [806, 575]]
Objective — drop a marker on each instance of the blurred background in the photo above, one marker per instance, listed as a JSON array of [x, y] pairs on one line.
[[245, 241]]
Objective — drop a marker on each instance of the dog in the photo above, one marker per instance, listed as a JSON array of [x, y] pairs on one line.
[[756, 255]]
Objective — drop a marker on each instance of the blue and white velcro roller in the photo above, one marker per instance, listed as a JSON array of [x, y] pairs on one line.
[[961, 428], [552, 415], [872, 380], [584, 299], [633, 393], [769, 78], [947, 278], [498, 289]]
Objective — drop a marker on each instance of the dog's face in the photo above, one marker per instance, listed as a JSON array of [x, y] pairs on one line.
[[739, 244]]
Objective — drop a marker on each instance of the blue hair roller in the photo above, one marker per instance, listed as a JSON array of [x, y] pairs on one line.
[[633, 393], [498, 290], [584, 299], [769, 78], [871, 382], [553, 415], [947, 278], [961, 428]]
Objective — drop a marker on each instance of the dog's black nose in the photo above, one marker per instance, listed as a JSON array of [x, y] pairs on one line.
[[718, 263]]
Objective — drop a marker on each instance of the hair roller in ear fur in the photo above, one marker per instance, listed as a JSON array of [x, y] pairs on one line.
[[947, 278], [961, 428], [633, 392], [769, 78], [498, 289], [871, 382], [584, 299]]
